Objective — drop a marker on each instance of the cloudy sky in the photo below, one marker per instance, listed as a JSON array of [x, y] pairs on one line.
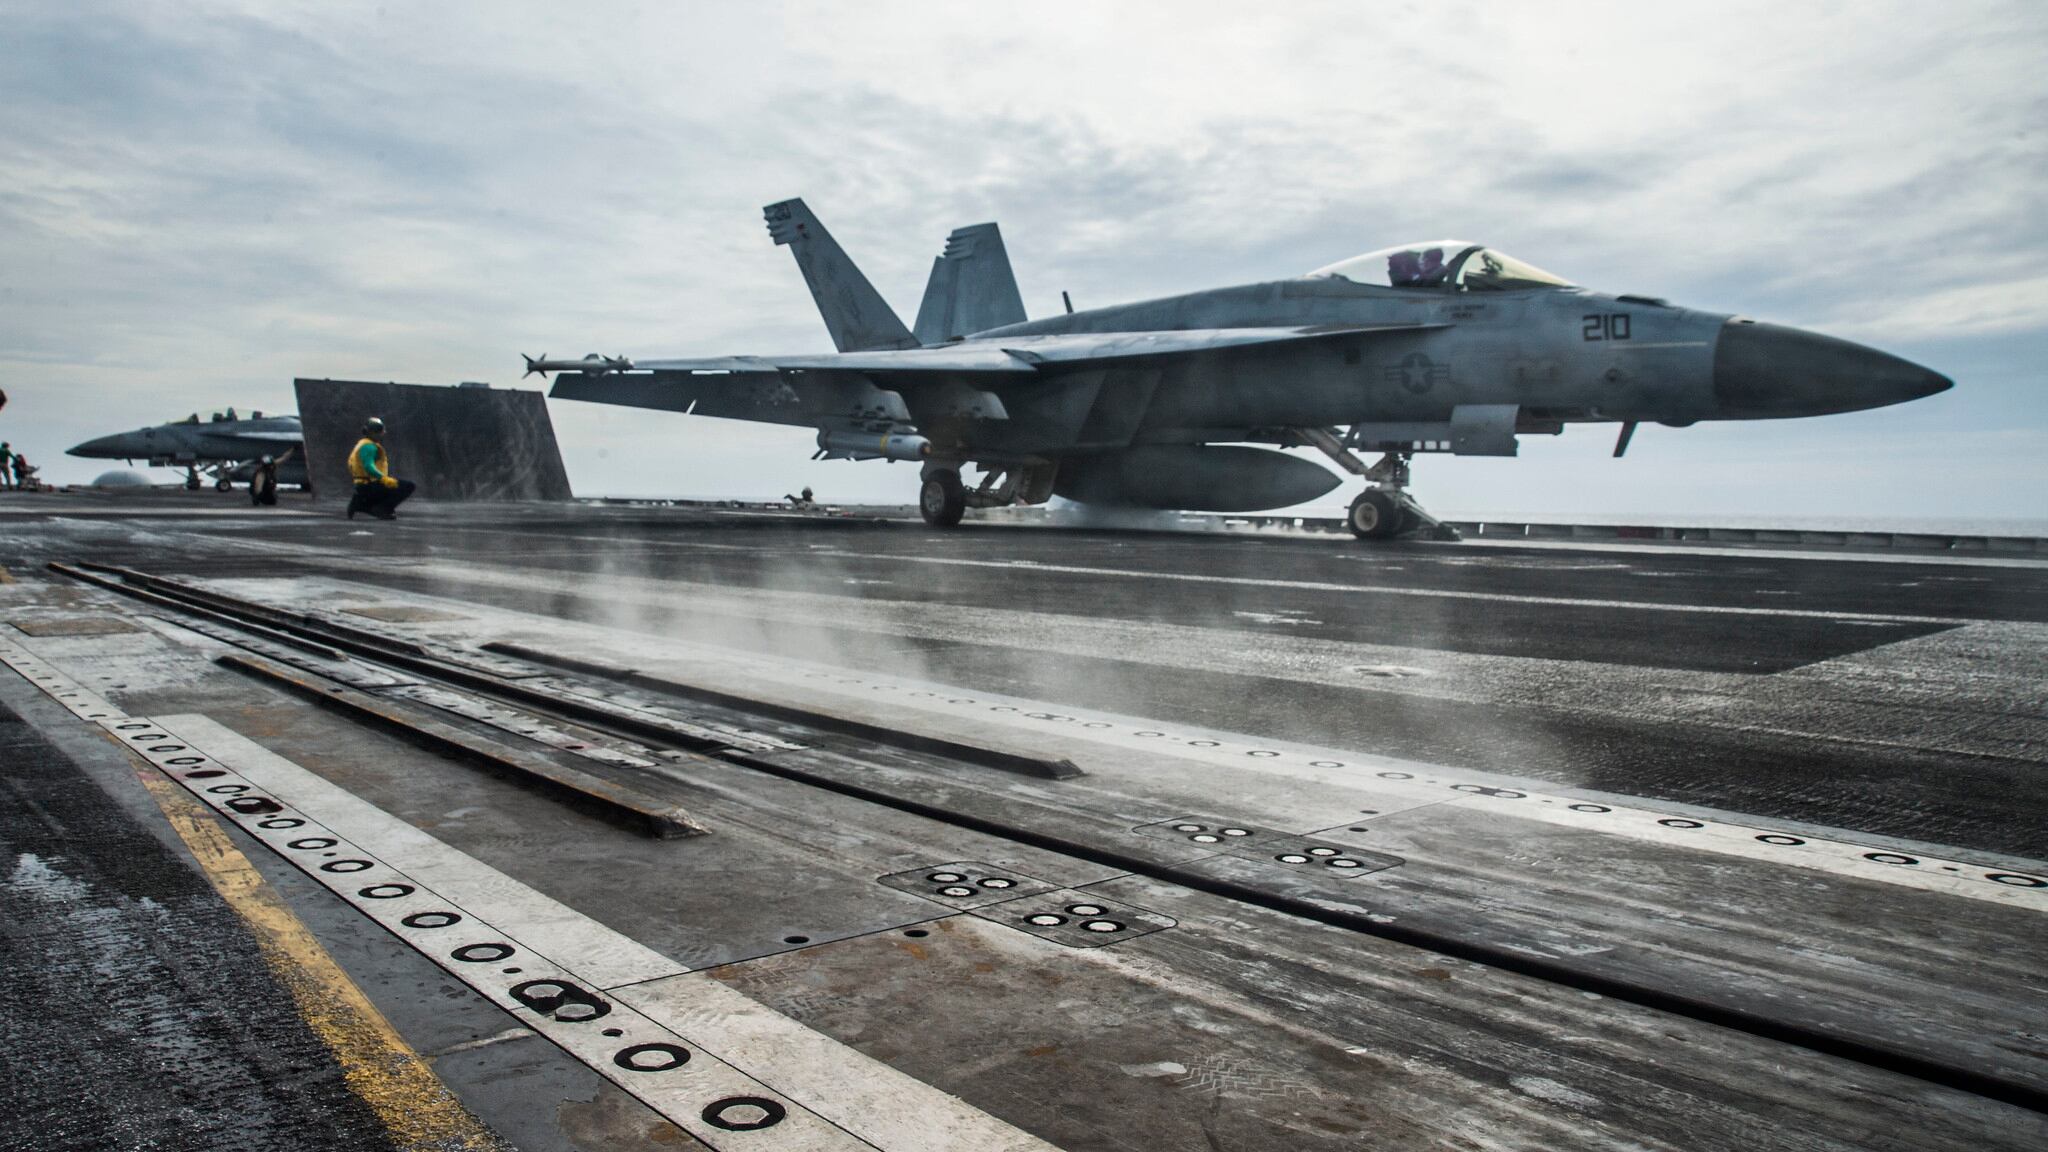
[[200, 201]]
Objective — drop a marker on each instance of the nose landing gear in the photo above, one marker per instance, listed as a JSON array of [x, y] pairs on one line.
[[1386, 510]]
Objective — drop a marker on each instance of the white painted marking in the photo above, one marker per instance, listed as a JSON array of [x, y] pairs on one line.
[[494, 959], [738, 1046], [1309, 585], [1416, 783], [1422, 593], [596, 953], [75, 697], [890, 1108]]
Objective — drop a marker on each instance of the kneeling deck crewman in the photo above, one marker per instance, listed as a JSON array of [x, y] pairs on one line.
[[378, 492]]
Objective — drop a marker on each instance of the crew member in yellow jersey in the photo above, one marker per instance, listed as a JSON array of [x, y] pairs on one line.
[[378, 492]]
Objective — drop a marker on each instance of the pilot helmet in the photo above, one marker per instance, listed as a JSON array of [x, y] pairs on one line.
[[373, 425]]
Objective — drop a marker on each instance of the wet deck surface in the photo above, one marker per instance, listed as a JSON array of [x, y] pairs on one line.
[[1655, 849]]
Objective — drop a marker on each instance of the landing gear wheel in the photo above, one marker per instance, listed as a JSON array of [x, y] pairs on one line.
[[223, 484], [1375, 515], [191, 481], [943, 500]]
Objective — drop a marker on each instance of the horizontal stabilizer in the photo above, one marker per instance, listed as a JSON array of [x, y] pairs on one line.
[[855, 314], [972, 288]]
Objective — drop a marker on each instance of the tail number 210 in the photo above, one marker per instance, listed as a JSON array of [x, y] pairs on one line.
[[1606, 326]]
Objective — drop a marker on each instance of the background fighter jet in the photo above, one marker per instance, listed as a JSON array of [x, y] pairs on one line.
[[226, 447], [1445, 346]]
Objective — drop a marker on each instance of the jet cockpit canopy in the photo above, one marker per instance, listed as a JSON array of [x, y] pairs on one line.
[[1440, 265]]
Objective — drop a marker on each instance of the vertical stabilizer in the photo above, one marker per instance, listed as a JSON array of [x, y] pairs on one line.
[[856, 315], [972, 288]]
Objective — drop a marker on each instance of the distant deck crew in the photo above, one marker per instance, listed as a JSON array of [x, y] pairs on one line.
[[263, 480], [6, 465], [378, 492]]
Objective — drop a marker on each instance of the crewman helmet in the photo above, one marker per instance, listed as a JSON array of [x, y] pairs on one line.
[[373, 426]]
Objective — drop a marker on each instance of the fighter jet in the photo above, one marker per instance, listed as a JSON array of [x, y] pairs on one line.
[[1446, 346], [226, 447]]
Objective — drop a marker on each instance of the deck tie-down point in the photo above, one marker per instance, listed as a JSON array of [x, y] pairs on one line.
[[1252, 842]]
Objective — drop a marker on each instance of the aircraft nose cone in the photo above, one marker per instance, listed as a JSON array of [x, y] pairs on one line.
[[104, 447], [1769, 370]]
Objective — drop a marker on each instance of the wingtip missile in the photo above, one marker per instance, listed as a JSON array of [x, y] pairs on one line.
[[591, 365]]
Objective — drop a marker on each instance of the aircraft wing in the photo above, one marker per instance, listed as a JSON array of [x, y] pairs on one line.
[[1011, 355], [272, 437]]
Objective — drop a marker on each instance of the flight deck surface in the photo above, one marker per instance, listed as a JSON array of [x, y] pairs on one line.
[[577, 827]]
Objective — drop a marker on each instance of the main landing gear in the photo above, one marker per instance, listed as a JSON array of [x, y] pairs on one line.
[[192, 479], [1386, 510], [943, 500], [223, 484], [945, 497]]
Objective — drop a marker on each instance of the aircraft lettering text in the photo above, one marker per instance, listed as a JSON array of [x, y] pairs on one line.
[[1606, 326]]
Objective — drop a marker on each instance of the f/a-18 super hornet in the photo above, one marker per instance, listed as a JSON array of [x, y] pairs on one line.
[[227, 447], [1444, 346]]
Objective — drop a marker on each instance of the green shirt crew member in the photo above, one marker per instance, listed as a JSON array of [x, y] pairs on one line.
[[377, 491]]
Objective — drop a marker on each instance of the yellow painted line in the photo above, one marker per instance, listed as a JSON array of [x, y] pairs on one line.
[[378, 1065]]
